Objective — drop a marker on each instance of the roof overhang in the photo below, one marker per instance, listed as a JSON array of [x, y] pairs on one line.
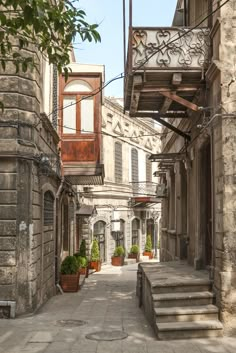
[[167, 158], [84, 175]]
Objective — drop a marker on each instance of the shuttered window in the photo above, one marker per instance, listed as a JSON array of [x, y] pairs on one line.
[[134, 164], [148, 169], [48, 208], [118, 162]]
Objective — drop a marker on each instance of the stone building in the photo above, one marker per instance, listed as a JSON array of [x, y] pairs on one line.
[[35, 206], [184, 77], [125, 209]]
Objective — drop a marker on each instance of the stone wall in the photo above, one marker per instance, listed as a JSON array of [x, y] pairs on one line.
[[27, 248]]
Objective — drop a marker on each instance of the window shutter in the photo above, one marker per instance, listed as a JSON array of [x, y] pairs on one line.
[[134, 164], [118, 162], [148, 169]]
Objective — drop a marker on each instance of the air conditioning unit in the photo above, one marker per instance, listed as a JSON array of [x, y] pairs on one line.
[[161, 190]]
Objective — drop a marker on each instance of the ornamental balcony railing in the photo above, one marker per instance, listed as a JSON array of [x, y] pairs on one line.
[[160, 48], [144, 188], [160, 59]]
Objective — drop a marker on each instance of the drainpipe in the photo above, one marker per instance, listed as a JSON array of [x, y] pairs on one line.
[[57, 231]]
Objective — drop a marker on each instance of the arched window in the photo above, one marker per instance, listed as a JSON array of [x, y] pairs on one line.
[[148, 169], [48, 208], [121, 234], [134, 169], [135, 231], [78, 86], [99, 230], [78, 108], [118, 162]]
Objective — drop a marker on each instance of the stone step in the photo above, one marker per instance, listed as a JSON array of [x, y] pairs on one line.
[[192, 313], [129, 261], [182, 299], [175, 285], [183, 330]]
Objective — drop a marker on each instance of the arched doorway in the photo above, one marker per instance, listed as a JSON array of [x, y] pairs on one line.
[[135, 231], [150, 230], [120, 236], [99, 232]]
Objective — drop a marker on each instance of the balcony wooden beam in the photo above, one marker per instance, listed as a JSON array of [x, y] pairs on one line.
[[166, 105], [171, 114], [180, 88], [180, 100]]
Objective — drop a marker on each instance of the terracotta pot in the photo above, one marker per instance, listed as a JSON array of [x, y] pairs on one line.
[[148, 253], [70, 283], [95, 265], [134, 256], [83, 270], [117, 260]]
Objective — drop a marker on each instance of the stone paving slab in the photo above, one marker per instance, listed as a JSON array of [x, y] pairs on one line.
[[107, 300]]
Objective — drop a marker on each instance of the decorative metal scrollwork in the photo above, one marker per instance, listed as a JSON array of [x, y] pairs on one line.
[[171, 47]]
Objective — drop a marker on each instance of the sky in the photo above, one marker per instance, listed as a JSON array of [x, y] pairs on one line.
[[109, 15]]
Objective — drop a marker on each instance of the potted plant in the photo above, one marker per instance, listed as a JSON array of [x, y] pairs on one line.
[[82, 258], [82, 262], [95, 262], [148, 247], [70, 274], [118, 256], [134, 252]]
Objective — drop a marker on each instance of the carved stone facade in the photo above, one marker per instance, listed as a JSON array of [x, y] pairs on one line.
[[120, 136]]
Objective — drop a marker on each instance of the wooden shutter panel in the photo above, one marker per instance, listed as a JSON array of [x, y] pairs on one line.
[[148, 169], [134, 164], [118, 162]]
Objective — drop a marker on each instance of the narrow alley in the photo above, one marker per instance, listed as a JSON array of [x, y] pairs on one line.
[[102, 317]]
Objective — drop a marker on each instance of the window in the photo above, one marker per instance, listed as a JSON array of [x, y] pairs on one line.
[[120, 235], [135, 231], [99, 234], [134, 168], [148, 169], [118, 162], [78, 109], [48, 208]]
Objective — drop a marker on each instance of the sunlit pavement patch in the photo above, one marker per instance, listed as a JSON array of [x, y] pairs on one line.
[[107, 335]]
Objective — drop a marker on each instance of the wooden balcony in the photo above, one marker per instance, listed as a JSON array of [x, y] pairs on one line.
[[80, 124], [164, 70]]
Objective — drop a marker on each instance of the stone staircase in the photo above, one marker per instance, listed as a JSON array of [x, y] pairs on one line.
[[182, 304]]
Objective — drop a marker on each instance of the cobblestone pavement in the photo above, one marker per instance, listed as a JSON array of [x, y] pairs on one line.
[[106, 303]]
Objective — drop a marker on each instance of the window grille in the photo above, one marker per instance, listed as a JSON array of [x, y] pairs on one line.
[[48, 208]]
